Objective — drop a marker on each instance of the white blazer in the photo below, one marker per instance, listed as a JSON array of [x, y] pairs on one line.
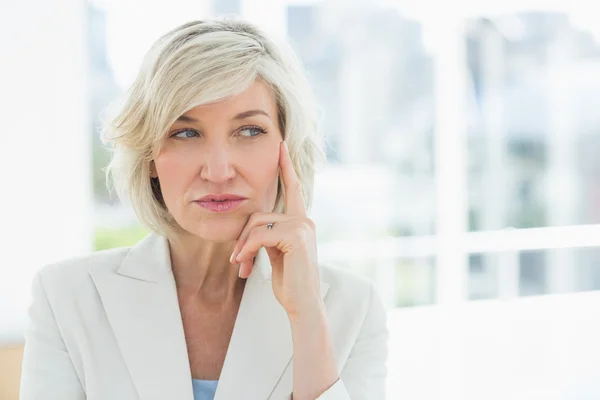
[[107, 326]]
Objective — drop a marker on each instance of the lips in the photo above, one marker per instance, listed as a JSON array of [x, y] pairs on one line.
[[221, 197], [220, 205]]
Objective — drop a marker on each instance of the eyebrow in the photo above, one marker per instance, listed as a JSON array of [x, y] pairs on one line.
[[242, 115]]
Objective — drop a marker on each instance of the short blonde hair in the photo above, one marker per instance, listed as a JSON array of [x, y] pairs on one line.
[[197, 63]]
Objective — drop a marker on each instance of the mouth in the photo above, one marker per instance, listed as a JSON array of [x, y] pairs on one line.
[[221, 197], [223, 202], [221, 205]]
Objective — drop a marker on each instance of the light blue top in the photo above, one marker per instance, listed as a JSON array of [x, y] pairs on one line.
[[204, 390]]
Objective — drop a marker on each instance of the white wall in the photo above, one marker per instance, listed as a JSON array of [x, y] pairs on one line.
[[535, 348], [45, 154]]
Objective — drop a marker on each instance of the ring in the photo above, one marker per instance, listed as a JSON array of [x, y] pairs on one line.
[[270, 225]]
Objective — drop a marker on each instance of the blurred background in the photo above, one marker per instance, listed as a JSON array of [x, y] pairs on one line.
[[463, 179]]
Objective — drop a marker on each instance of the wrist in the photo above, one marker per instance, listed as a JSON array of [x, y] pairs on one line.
[[308, 314]]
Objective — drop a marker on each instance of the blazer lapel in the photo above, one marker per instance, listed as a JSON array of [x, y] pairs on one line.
[[140, 299], [261, 343]]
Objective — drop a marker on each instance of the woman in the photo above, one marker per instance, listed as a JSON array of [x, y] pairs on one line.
[[225, 299]]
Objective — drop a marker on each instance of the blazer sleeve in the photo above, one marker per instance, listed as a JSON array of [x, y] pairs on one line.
[[47, 369], [364, 374]]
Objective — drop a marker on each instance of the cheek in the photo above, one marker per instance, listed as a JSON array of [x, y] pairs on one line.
[[262, 168], [174, 173]]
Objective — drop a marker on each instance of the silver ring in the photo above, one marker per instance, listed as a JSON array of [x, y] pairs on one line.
[[270, 225]]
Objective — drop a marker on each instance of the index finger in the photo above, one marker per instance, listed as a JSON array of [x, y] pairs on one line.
[[294, 199]]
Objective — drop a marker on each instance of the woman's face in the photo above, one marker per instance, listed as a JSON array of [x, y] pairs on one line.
[[227, 147]]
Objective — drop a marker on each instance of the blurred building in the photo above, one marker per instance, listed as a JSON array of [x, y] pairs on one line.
[[536, 80], [532, 129]]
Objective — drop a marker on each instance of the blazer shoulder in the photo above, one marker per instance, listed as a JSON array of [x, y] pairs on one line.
[[354, 308], [356, 290], [75, 269], [338, 277]]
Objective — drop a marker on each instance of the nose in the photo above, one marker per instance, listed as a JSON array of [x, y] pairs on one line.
[[218, 167]]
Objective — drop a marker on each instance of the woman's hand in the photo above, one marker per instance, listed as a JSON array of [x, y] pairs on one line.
[[291, 245], [292, 249]]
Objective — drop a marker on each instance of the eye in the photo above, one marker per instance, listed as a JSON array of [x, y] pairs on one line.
[[254, 130], [186, 133]]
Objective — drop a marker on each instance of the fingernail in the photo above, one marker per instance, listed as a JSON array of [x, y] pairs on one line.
[[231, 257], [238, 257], [240, 272]]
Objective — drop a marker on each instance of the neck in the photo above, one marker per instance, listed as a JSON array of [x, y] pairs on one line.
[[202, 269]]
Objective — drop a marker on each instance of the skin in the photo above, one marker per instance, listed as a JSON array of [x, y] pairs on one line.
[[210, 150]]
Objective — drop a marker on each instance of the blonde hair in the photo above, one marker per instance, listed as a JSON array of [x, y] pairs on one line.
[[197, 63]]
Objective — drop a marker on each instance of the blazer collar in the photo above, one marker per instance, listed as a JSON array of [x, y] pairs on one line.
[[150, 260], [142, 307]]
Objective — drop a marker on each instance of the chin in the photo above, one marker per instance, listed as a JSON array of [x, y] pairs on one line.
[[217, 231]]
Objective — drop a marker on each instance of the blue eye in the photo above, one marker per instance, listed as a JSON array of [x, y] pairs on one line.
[[186, 133], [257, 130], [189, 133]]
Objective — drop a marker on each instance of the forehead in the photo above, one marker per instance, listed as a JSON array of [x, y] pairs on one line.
[[257, 96]]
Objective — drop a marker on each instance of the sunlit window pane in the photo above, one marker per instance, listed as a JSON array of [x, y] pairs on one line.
[[536, 130]]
